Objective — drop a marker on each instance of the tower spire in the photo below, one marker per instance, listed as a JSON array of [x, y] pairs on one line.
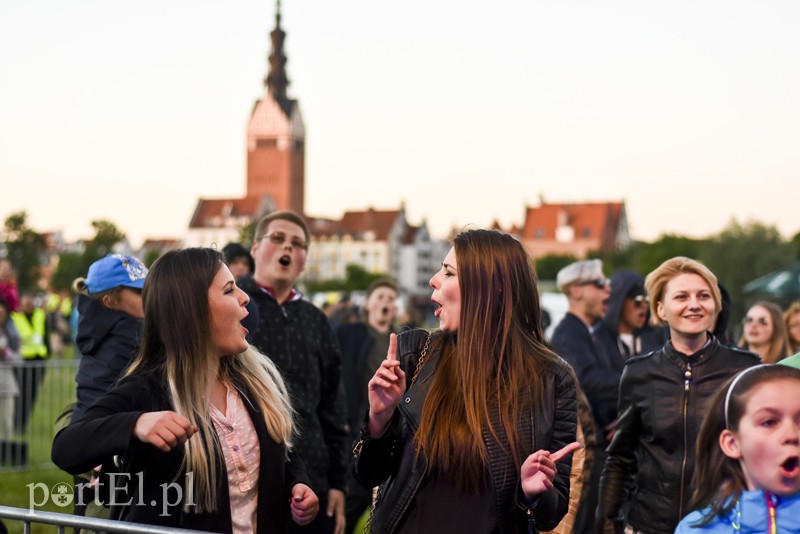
[[276, 80]]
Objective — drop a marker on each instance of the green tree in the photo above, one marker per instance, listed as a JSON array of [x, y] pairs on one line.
[[357, 278], [25, 250], [743, 252], [106, 235], [548, 265], [794, 243], [71, 265], [150, 257], [651, 255], [246, 234]]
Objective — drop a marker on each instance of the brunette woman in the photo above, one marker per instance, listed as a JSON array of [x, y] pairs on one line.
[[199, 409], [471, 429]]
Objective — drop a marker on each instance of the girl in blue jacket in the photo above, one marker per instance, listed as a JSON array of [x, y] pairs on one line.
[[748, 456]]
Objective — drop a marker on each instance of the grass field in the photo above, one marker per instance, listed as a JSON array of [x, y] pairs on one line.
[[57, 390]]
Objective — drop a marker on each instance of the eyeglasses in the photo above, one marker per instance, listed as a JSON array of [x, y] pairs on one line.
[[638, 300], [761, 320], [279, 238], [599, 283]]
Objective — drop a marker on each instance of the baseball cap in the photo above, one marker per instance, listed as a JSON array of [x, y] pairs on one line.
[[115, 270], [579, 271]]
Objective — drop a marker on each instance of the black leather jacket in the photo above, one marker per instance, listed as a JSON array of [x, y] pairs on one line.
[[391, 460], [663, 398]]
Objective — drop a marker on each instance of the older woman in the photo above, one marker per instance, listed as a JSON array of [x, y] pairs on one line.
[[765, 332], [663, 397], [199, 409], [470, 429]]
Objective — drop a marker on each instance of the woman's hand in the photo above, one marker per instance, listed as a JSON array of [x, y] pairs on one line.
[[385, 390], [164, 430], [304, 504], [539, 470]]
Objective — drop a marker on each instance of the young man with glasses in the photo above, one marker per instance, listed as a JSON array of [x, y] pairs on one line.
[[588, 291], [296, 335]]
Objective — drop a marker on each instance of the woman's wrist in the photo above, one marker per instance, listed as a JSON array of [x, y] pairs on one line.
[[378, 423]]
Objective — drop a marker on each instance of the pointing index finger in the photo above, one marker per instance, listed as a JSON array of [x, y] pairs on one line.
[[391, 354], [567, 449]]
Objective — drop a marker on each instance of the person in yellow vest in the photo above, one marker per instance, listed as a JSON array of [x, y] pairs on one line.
[[31, 324]]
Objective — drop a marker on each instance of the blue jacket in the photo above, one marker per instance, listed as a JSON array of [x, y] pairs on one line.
[[753, 517]]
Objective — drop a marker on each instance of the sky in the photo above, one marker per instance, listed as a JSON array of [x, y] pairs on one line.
[[465, 111]]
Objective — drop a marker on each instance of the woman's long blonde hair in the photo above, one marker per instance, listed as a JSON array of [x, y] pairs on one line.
[[177, 345]]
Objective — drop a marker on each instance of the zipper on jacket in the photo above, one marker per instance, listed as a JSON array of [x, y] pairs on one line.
[[283, 311], [687, 375]]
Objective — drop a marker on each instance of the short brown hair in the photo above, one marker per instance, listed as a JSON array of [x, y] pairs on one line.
[[656, 281], [282, 215], [381, 282]]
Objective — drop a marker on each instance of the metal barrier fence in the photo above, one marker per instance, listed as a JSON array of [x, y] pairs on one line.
[[62, 521], [27, 420]]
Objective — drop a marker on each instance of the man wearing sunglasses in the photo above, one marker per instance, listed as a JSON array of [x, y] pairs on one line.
[[296, 335], [624, 330], [588, 290]]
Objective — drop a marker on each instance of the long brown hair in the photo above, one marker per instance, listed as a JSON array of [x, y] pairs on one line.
[[779, 344], [177, 345], [492, 365], [718, 480]]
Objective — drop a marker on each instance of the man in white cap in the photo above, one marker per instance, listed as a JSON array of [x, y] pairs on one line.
[[587, 291]]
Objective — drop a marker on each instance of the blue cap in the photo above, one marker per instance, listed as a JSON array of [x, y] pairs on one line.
[[115, 270]]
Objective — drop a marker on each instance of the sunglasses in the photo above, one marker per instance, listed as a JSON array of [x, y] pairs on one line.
[[639, 300], [279, 238], [761, 320], [599, 283]]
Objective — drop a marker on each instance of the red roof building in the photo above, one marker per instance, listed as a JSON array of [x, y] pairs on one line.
[[575, 229]]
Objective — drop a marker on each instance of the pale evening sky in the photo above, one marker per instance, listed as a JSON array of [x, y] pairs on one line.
[[687, 110]]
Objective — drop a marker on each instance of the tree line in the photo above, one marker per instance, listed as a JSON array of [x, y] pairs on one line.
[[741, 252]]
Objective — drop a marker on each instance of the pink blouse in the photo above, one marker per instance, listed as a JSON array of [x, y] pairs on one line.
[[242, 454]]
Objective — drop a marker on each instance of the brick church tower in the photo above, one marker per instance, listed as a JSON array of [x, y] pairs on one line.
[[276, 136]]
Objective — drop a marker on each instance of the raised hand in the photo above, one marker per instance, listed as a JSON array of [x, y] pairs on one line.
[[164, 430], [386, 388], [539, 469], [304, 504]]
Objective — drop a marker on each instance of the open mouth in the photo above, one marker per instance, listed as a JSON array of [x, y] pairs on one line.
[[285, 260], [791, 467]]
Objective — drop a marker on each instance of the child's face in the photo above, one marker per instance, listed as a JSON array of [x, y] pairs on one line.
[[767, 442]]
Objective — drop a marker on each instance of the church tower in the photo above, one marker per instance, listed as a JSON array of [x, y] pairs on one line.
[[276, 136]]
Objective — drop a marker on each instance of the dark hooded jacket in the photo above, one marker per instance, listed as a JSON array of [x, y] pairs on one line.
[[108, 340], [607, 332]]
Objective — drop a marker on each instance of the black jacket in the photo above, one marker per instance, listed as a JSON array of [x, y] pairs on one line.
[[663, 398], [106, 429], [297, 337], [108, 341], [391, 459], [598, 371]]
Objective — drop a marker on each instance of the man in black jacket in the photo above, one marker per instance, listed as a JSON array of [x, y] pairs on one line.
[[364, 346], [296, 335], [588, 290], [624, 330]]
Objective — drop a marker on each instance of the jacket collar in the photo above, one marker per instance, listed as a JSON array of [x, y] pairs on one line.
[[698, 358]]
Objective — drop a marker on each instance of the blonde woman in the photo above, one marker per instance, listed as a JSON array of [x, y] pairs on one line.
[[663, 396], [201, 421], [791, 319], [765, 333]]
